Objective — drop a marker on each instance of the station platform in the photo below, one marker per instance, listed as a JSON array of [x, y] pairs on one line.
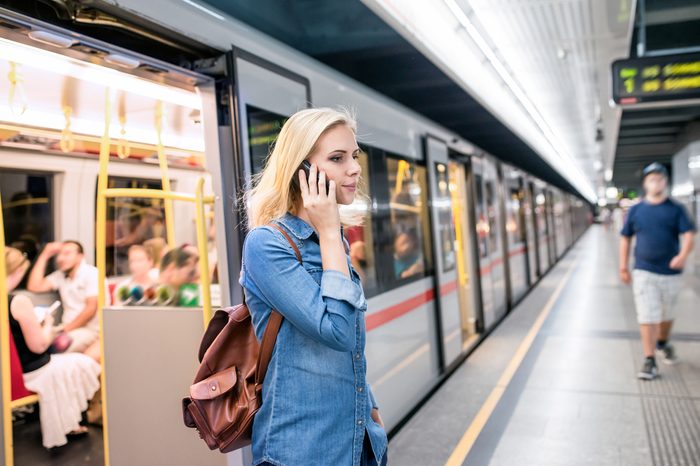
[[556, 383]]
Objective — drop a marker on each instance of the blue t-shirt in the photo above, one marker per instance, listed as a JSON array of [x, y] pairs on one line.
[[657, 227]]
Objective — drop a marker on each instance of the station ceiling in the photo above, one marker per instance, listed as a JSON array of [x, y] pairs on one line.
[[655, 134], [349, 37]]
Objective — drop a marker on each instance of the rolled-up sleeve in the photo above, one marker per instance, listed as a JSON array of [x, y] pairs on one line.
[[337, 286], [325, 313]]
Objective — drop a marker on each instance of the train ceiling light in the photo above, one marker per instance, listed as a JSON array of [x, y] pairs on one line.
[[57, 63]]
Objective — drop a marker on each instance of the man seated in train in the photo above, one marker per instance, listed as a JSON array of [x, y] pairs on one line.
[[76, 283], [179, 266]]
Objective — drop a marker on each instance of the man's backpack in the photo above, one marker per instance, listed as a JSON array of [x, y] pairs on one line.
[[227, 390]]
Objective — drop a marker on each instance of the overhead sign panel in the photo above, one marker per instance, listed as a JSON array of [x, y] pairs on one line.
[[654, 79]]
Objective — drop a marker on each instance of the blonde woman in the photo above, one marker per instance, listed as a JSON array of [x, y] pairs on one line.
[[317, 405], [64, 382]]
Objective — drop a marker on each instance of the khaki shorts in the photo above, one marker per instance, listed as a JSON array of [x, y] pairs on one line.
[[655, 295]]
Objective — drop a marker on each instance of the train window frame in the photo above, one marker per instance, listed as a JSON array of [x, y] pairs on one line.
[[384, 238], [110, 271], [262, 112], [51, 194], [442, 213]]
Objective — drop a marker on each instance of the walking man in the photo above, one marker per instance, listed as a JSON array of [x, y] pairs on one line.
[[657, 222]]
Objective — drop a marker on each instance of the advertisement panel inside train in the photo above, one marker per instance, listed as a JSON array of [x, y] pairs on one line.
[[653, 79]]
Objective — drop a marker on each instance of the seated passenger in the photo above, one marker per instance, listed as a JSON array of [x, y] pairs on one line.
[[179, 270], [142, 275], [76, 282], [64, 382], [408, 259]]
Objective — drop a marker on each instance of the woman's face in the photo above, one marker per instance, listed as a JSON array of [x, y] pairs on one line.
[[336, 154]]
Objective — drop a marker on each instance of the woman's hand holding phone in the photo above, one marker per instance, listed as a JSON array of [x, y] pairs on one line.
[[320, 205]]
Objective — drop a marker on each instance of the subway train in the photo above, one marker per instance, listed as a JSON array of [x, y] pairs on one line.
[[453, 237]]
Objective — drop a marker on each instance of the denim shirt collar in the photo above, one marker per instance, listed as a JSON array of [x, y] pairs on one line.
[[297, 226]]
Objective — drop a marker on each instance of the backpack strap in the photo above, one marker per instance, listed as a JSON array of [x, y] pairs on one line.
[[274, 323]]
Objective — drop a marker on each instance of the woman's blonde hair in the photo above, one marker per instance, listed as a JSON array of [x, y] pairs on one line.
[[273, 193]]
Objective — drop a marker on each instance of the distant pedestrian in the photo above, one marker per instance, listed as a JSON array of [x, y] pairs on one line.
[[656, 222]]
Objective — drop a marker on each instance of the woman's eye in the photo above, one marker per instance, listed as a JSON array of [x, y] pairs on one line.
[[336, 158]]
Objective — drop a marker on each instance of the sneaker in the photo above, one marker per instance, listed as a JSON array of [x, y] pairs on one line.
[[649, 370], [669, 354]]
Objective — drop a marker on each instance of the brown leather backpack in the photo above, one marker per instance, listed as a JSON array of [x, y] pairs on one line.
[[227, 390]]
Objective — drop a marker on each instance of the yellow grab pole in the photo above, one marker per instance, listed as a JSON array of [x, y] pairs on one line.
[[5, 352], [204, 279], [101, 262], [155, 194], [165, 180]]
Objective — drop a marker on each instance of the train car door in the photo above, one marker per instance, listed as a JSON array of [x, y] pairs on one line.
[[256, 97], [451, 287], [443, 231], [515, 232], [542, 229], [462, 194]]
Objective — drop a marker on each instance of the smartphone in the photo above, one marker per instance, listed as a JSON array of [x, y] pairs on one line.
[[306, 166]]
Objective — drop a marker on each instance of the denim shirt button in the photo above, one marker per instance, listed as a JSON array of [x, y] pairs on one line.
[[357, 356], [360, 389], [359, 423]]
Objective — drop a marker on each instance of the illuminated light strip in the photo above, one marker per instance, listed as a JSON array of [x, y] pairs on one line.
[[55, 121], [55, 63], [507, 78], [205, 10], [461, 451]]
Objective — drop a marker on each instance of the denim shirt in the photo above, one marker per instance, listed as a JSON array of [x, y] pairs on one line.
[[316, 400]]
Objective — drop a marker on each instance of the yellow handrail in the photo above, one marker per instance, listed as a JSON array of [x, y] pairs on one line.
[[149, 193], [5, 352], [101, 263], [165, 180], [204, 280]]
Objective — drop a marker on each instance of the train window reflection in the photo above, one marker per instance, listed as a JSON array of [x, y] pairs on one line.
[[27, 210], [446, 228], [409, 218], [263, 128], [482, 222], [360, 237]]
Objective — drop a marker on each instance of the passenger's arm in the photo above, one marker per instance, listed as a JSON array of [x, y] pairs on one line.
[[37, 281], [85, 315], [625, 258], [325, 313], [37, 336], [686, 247]]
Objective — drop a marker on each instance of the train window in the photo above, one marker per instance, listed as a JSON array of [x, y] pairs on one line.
[[141, 267], [491, 215], [132, 221], [263, 128], [360, 237], [482, 223], [513, 225], [446, 227], [27, 210], [408, 206]]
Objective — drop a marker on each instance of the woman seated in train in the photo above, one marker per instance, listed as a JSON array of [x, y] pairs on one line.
[[408, 258], [64, 382], [143, 275]]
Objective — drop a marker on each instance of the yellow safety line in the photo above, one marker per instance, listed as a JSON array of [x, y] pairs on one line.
[[101, 262], [204, 280], [5, 352], [469, 438]]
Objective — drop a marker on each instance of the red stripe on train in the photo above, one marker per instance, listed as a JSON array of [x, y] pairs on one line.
[[498, 261], [379, 318]]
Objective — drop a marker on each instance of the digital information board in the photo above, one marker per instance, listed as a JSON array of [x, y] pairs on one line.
[[654, 79]]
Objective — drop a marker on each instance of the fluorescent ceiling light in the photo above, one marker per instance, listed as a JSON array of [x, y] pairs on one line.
[[52, 39], [205, 9], [56, 121], [59, 64]]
